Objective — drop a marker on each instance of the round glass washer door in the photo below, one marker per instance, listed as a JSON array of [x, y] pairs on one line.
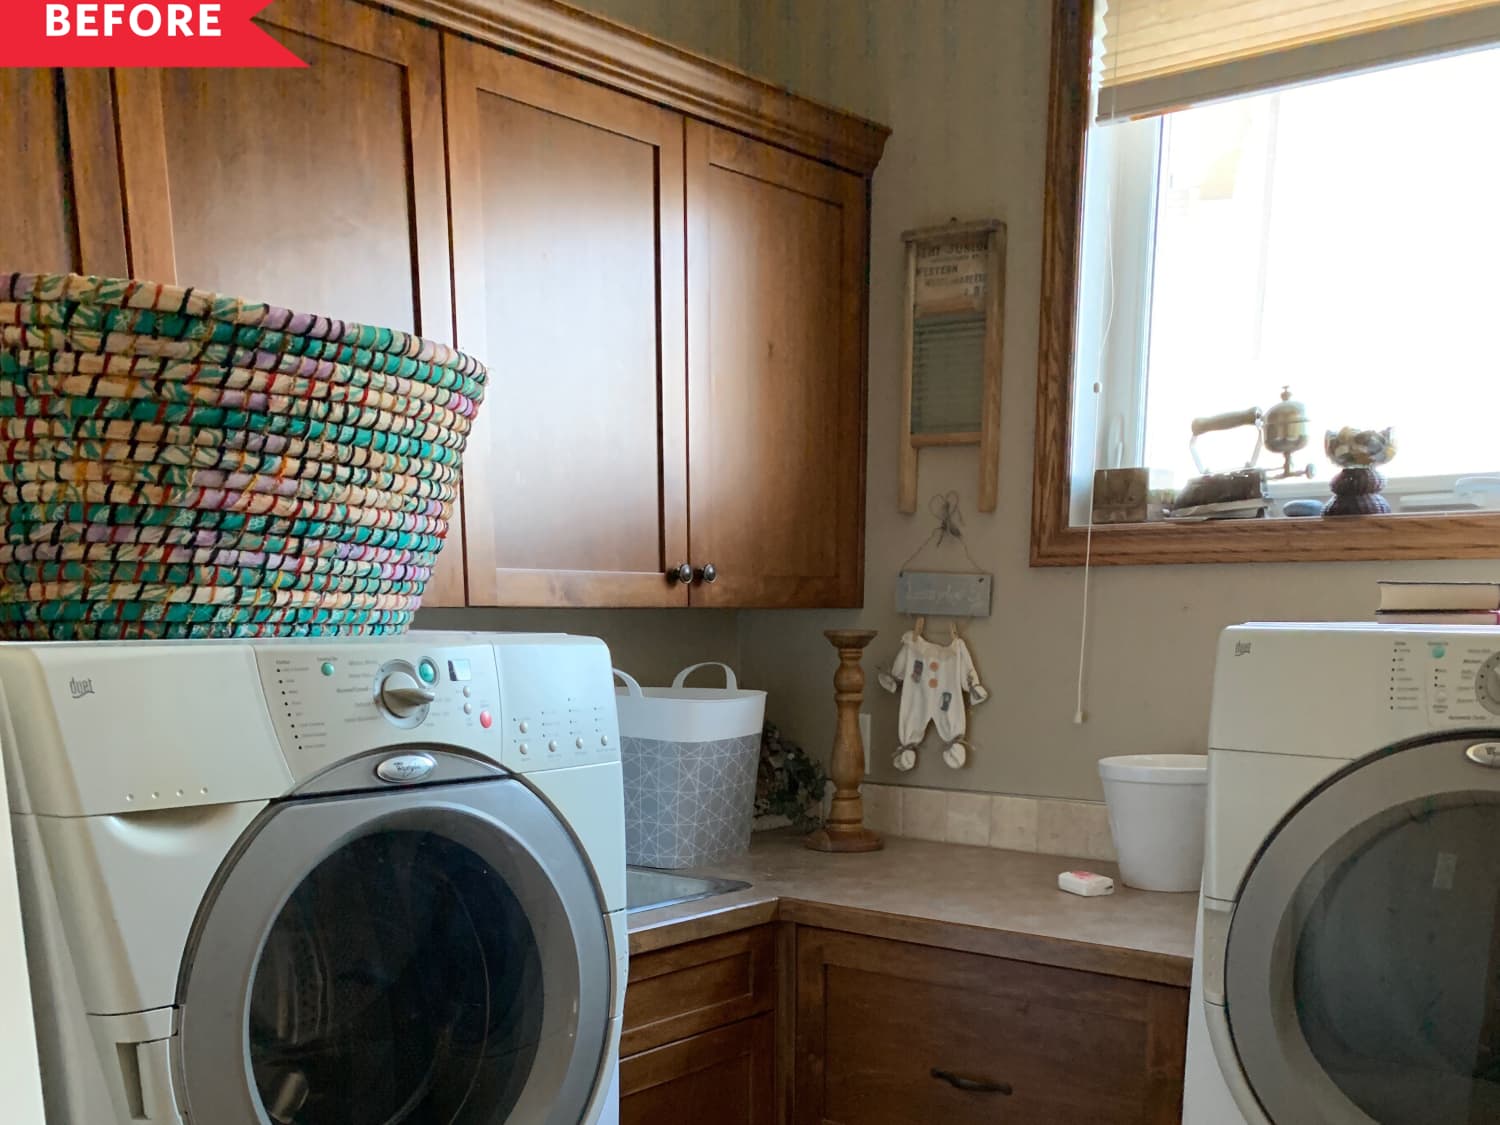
[[1362, 965], [430, 956]]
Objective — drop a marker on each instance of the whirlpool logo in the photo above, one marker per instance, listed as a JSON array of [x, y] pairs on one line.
[[80, 688]]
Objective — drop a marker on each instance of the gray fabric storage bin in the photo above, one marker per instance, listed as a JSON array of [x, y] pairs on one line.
[[690, 757]]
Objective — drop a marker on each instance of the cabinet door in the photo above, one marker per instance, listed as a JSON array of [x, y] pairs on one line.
[[889, 1033], [725, 1076], [776, 329], [322, 190], [568, 251], [57, 130]]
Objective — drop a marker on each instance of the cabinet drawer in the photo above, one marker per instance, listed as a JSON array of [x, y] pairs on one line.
[[880, 1023], [725, 1076], [677, 992]]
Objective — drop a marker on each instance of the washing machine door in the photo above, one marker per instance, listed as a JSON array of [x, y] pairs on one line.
[[428, 956], [1362, 964]]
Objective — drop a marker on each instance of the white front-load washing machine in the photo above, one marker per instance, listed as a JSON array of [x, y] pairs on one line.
[[321, 882], [1349, 938]]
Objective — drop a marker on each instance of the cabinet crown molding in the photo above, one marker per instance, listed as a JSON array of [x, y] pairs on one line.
[[598, 49]]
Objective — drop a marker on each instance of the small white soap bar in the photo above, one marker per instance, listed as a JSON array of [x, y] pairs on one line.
[[1085, 883]]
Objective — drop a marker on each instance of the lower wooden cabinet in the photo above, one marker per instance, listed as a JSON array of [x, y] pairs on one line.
[[725, 1076], [698, 1043], [889, 1033], [859, 1030]]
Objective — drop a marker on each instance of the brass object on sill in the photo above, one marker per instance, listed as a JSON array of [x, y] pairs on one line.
[[1285, 432]]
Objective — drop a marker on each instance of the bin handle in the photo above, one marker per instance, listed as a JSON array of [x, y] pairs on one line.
[[730, 683], [632, 688]]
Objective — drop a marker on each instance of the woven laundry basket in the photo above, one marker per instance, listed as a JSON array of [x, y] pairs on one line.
[[184, 464]]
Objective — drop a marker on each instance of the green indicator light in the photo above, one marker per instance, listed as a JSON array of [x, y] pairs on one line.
[[428, 671], [328, 667]]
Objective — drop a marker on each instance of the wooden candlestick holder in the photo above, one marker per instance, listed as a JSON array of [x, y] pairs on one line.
[[845, 830]]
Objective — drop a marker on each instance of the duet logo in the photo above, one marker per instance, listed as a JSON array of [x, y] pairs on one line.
[[80, 688], [138, 33]]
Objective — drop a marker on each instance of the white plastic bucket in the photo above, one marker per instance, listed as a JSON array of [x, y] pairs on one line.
[[1156, 809]]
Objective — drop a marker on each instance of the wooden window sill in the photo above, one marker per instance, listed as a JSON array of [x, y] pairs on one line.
[[1340, 539]]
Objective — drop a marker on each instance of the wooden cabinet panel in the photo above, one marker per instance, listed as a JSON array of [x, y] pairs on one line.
[[323, 190], [776, 329], [686, 989], [880, 1023], [316, 189], [568, 241], [36, 233], [723, 1076], [58, 134]]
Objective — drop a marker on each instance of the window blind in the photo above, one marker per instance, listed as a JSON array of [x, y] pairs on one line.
[[1160, 55]]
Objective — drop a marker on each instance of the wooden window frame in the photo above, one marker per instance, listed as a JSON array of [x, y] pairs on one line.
[[1053, 541]]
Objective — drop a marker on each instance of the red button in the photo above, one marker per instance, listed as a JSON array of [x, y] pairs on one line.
[[485, 720]]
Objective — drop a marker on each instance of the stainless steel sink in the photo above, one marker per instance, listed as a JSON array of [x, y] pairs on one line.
[[647, 888]]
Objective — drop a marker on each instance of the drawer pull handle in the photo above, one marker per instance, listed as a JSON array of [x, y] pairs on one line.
[[973, 1085]]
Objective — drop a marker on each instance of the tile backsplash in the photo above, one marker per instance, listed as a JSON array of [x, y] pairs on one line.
[[1023, 824]]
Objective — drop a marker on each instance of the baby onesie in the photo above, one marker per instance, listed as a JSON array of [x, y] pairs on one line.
[[932, 679]]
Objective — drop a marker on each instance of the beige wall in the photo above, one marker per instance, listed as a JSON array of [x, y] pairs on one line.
[[963, 85]]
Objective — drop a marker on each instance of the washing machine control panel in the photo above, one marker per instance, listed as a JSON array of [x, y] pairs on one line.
[[1487, 684], [1451, 681], [525, 703], [333, 701]]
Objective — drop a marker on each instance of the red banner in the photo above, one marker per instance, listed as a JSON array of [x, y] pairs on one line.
[[132, 33]]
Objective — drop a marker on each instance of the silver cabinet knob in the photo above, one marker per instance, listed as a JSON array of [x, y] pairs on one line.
[[683, 572], [708, 573]]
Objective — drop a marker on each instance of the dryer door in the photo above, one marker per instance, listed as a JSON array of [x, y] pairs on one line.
[[1362, 966], [430, 956]]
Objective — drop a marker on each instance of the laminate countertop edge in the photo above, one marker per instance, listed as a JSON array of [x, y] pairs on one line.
[[1147, 937]]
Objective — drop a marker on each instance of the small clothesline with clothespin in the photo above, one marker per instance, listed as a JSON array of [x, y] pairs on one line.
[[919, 627]]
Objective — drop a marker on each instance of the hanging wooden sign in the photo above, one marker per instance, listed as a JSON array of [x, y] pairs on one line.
[[940, 594], [951, 381]]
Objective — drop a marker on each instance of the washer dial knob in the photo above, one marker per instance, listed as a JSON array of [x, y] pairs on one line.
[[403, 697], [1487, 684]]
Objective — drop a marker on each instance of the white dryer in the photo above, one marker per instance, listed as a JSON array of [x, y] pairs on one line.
[[1349, 937], [311, 881]]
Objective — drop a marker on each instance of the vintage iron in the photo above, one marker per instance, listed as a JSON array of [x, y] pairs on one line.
[[1241, 493]]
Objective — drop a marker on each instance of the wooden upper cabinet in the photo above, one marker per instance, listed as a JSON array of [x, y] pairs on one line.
[[319, 189], [322, 190], [568, 255], [58, 133], [776, 325]]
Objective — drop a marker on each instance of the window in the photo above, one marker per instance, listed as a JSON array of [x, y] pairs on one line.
[[1335, 233]]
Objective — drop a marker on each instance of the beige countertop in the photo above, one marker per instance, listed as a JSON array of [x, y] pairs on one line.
[[983, 900]]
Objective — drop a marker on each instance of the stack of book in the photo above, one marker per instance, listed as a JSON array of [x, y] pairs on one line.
[[1439, 603]]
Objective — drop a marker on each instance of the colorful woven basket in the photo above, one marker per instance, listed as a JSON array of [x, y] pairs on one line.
[[184, 464]]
